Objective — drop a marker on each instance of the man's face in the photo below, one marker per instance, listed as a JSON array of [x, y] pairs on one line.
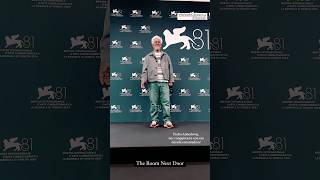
[[156, 44]]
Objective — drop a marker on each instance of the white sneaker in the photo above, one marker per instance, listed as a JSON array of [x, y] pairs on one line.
[[154, 124], [168, 124]]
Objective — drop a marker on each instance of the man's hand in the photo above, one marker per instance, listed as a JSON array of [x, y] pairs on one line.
[[104, 75], [170, 83], [142, 85]]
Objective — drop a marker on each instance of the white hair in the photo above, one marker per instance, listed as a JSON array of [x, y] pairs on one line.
[[156, 37]]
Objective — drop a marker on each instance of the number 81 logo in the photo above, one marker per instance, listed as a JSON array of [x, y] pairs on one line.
[[198, 42]]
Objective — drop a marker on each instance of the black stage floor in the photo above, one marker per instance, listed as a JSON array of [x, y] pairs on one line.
[[132, 142], [140, 135]]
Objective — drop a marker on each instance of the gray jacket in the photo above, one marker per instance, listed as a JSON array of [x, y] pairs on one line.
[[149, 68]]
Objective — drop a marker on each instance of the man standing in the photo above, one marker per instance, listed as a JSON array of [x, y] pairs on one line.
[[157, 71]]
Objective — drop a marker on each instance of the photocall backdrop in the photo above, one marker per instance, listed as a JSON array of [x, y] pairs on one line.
[[265, 65], [265, 57], [53, 111], [132, 27]]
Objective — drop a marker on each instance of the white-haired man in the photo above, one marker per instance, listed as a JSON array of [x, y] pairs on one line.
[[157, 71]]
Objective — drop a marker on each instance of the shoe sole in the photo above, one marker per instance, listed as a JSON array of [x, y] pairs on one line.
[[168, 127], [155, 126]]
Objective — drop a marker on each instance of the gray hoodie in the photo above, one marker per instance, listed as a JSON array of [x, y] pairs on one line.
[[149, 68]]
